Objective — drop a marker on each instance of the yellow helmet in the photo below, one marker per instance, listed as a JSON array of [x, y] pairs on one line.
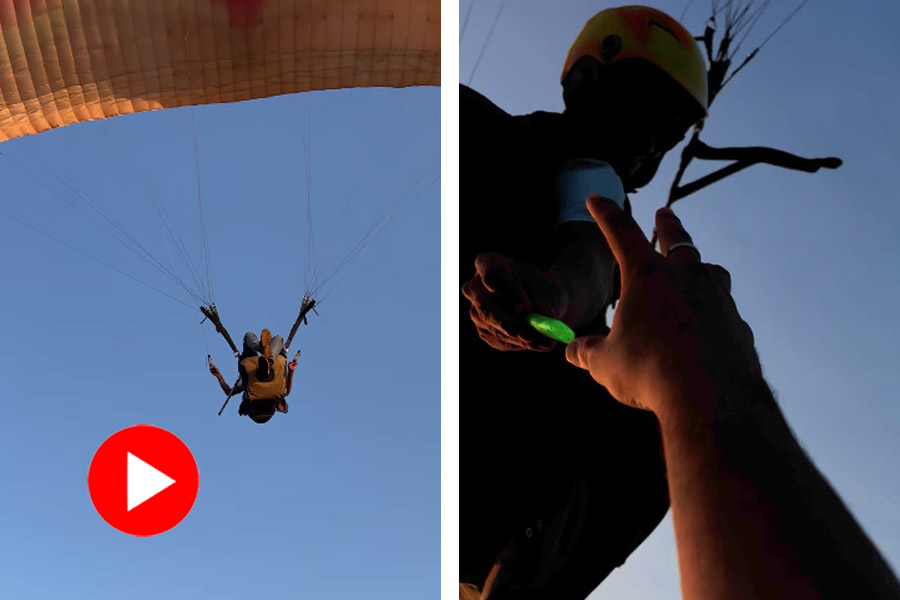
[[641, 32]]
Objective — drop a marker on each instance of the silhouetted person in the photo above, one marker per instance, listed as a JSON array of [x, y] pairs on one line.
[[559, 481]]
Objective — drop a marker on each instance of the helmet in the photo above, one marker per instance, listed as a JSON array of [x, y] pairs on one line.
[[641, 32], [259, 411], [261, 416]]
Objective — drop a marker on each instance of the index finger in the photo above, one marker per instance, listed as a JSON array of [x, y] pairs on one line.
[[626, 240]]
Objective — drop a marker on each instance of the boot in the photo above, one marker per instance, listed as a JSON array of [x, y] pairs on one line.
[[265, 341]]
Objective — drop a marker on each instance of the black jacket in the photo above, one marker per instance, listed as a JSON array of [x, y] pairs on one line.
[[554, 472]]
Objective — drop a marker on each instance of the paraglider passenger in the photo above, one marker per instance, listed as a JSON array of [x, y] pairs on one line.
[[266, 376]]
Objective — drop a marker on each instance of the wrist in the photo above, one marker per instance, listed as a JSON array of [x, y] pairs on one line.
[[576, 305], [705, 403], [584, 269]]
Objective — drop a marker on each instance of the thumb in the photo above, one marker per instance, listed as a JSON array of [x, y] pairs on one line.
[[584, 351]]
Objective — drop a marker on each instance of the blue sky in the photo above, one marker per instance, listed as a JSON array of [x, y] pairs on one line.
[[338, 499], [813, 257]]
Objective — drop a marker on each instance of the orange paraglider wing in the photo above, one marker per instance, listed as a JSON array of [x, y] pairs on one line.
[[66, 61]]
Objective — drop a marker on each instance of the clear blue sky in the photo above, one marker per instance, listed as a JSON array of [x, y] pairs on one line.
[[338, 499], [813, 257]]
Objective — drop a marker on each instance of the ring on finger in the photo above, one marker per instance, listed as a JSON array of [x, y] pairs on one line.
[[683, 245]]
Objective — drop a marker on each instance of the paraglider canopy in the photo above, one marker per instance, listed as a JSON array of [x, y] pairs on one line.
[[64, 62]]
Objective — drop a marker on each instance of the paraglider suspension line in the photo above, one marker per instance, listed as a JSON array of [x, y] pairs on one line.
[[308, 304], [212, 313]]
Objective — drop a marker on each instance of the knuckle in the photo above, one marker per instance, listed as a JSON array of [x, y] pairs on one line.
[[493, 321], [722, 270], [492, 277], [485, 261], [720, 274], [488, 339], [473, 290], [586, 350], [749, 331], [726, 277], [695, 270]]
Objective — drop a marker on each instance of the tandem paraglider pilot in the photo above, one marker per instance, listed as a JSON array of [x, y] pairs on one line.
[[265, 376]]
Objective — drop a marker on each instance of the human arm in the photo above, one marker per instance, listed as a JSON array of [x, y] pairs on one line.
[[227, 389], [576, 288], [569, 270], [504, 291], [584, 267], [291, 367], [282, 405], [752, 512], [583, 263], [753, 516]]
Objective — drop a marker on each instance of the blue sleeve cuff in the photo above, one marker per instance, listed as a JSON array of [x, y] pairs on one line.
[[581, 178]]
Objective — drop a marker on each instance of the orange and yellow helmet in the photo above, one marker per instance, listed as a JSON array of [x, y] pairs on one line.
[[641, 32]]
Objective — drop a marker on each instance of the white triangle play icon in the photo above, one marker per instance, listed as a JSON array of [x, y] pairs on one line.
[[144, 481]]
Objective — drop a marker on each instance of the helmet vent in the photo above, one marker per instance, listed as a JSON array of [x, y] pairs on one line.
[[663, 27], [610, 46]]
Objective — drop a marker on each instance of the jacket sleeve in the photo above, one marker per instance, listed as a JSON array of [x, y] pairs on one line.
[[475, 105], [241, 386], [481, 122]]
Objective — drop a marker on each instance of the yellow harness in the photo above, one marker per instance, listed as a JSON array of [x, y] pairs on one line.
[[274, 387]]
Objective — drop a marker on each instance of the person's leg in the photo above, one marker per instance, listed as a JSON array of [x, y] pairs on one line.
[[251, 345], [277, 346]]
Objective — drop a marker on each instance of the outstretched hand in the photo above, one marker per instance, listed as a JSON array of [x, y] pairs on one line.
[[503, 292], [676, 328], [212, 367]]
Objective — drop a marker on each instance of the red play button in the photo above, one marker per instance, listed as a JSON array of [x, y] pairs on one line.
[[143, 480]]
